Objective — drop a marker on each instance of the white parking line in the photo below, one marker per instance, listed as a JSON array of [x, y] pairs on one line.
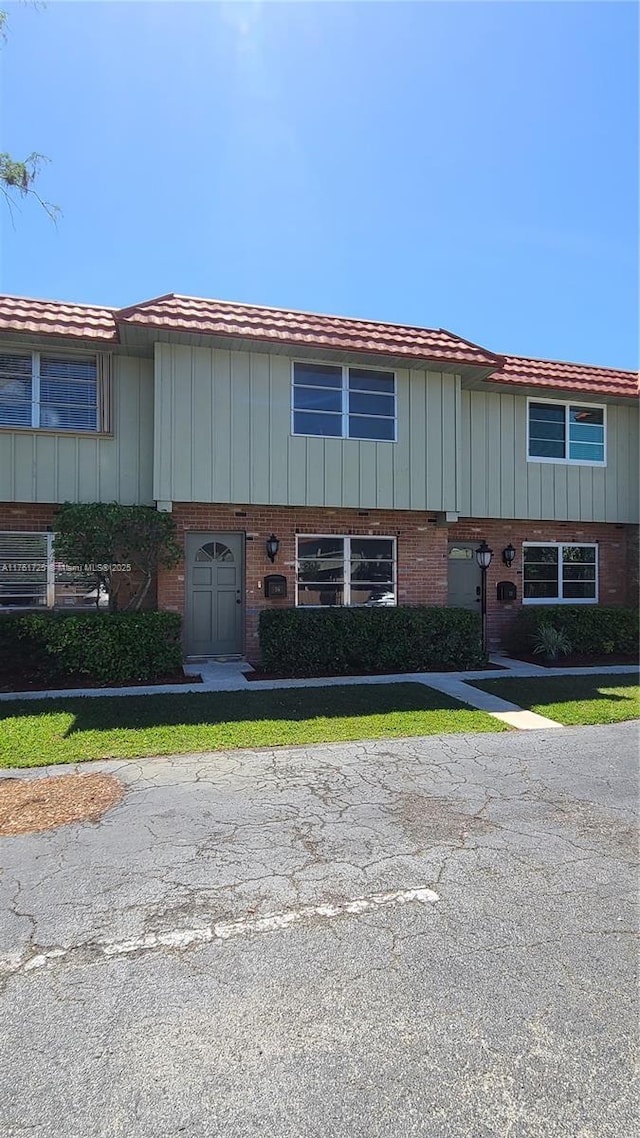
[[221, 930]]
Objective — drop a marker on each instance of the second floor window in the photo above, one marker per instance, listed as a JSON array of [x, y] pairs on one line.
[[566, 432], [344, 402], [54, 392]]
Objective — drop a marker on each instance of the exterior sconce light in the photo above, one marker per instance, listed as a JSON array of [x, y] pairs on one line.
[[484, 556], [509, 555], [273, 545]]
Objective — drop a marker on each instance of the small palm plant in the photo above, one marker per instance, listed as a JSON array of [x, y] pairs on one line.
[[551, 642]]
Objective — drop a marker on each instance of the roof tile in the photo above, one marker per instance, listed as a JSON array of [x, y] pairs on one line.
[[285, 326], [520, 371], [57, 318]]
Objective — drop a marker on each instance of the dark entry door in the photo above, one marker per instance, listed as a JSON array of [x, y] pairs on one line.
[[464, 575], [215, 594]]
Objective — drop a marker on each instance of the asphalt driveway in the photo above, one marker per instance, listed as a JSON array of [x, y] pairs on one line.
[[425, 937]]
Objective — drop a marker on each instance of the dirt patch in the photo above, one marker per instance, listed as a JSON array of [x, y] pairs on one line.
[[28, 805], [21, 683]]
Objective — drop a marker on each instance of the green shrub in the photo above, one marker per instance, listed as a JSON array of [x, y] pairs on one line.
[[551, 642], [591, 629], [341, 640], [99, 647]]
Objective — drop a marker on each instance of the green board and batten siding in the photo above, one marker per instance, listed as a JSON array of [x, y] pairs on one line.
[[498, 482], [223, 434], [41, 466]]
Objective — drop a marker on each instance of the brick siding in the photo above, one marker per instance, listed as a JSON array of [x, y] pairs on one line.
[[421, 546]]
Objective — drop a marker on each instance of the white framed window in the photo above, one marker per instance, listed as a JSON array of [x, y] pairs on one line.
[[335, 570], [30, 578], [555, 573], [52, 391], [336, 401], [566, 432]]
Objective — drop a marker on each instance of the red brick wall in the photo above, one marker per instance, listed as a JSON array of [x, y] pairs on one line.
[[422, 546], [613, 559], [422, 551]]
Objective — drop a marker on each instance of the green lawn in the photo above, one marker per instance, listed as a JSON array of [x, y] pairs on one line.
[[38, 732], [572, 700]]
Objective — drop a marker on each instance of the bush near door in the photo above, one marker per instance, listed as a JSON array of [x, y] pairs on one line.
[[590, 629], [339, 641], [98, 647]]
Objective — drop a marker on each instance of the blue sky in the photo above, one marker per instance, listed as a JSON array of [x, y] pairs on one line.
[[472, 166]]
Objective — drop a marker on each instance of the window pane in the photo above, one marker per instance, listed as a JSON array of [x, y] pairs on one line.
[[15, 390], [317, 399], [382, 429], [539, 590], [309, 594], [546, 413], [369, 548], [586, 415], [535, 554], [68, 418], [23, 570], [364, 379], [579, 589], [14, 412], [317, 423], [586, 452], [319, 548], [365, 404], [540, 572], [317, 375], [586, 434], [546, 431], [579, 572], [320, 571]]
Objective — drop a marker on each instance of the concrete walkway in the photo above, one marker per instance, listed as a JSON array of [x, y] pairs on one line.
[[231, 676]]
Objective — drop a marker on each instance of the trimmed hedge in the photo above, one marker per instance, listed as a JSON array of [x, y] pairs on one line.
[[592, 630], [100, 647], [336, 641]]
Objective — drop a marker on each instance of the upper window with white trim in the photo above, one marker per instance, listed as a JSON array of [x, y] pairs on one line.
[[346, 570], [343, 402], [554, 573], [50, 392], [566, 432]]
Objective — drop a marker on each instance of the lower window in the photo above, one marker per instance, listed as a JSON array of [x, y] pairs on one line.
[[553, 572], [30, 577], [346, 571]]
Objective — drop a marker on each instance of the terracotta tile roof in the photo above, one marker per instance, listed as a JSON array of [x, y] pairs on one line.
[[285, 326], [522, 372], [57, 318], [221, 318]]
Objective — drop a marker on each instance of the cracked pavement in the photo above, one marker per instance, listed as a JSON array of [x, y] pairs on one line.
[[505, 1008]]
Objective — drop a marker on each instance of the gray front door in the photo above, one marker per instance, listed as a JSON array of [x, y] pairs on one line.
[[215, 594], [464, 575]]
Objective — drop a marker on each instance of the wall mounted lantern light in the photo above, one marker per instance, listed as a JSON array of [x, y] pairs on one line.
[[484, 556], [273, 545], [509, 555]]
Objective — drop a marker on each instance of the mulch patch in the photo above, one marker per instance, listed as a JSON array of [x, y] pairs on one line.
[[21, 683], [258, 675], [576, 661], [29, 805]]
